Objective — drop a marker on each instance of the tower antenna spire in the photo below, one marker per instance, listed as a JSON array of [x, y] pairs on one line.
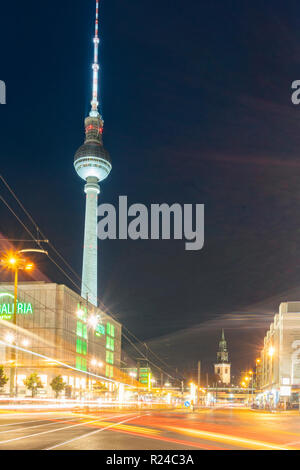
[[95, 103]]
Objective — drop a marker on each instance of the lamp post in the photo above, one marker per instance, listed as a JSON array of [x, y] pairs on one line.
[[252, 385], [271, 352], [15, 262]]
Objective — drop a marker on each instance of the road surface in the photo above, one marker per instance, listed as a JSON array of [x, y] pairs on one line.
[[211, 429]]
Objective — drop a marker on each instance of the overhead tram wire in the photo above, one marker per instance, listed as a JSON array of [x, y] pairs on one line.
[[78, 287], [37, 227]]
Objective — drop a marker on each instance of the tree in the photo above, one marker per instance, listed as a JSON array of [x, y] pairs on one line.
[[99, 387], [3, 378], [33, 383], [58, 385]]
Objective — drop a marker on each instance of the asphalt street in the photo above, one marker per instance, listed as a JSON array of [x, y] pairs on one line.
[[210, 429]]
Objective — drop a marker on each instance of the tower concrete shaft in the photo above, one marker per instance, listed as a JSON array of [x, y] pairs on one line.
[[90, 258]]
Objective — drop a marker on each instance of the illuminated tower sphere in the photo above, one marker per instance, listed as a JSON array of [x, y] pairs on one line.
[[92, 163]]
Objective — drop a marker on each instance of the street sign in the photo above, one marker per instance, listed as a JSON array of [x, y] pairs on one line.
[[187, 404]]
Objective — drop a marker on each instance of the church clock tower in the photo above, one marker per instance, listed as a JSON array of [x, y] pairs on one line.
[[222, 367]]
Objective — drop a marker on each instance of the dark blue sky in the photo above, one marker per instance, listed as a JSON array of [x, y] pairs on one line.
[[197, 109]]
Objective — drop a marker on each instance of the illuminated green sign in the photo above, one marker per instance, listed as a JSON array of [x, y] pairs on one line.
[[7, 307]]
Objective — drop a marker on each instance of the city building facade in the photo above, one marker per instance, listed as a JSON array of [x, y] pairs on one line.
[[59, 333], [279, 366]]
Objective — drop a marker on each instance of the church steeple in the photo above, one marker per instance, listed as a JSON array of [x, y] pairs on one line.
[[222, 368], [222, 354]]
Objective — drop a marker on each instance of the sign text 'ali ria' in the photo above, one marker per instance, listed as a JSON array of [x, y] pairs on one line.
[[7, 306]]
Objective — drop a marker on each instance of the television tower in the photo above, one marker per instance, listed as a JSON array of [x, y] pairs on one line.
[[92, 163]]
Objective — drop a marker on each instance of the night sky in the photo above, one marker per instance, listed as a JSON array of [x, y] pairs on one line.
[[196, 98]]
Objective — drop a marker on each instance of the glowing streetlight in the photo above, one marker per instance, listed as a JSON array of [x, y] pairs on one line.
[[93, 321], [9, 338], [25, 343], [271, 351], [80, 313]]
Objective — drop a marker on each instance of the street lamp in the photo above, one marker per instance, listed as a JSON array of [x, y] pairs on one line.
[[15, 262], [9, 338], [93, 321], [271, 351], [25, 343]]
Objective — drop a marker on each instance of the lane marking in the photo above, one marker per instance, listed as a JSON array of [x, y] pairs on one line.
[[91, 433], [24, 422], [56, 430], [63, 420]]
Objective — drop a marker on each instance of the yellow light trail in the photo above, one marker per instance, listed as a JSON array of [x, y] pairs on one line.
[[225, 438]]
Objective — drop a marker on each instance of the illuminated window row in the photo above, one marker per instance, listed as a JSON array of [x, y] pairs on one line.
[[109, 357]]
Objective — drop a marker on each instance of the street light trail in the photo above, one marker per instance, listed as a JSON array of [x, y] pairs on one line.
[[54, 430], [225, 429], [227, 438], [91, 433]]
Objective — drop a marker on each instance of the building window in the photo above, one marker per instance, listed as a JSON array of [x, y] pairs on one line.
[[109, 357], [81, 330], [78, 346], [81, 347], [110, 343], [110, 330], [81, 363], [109, 371]]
